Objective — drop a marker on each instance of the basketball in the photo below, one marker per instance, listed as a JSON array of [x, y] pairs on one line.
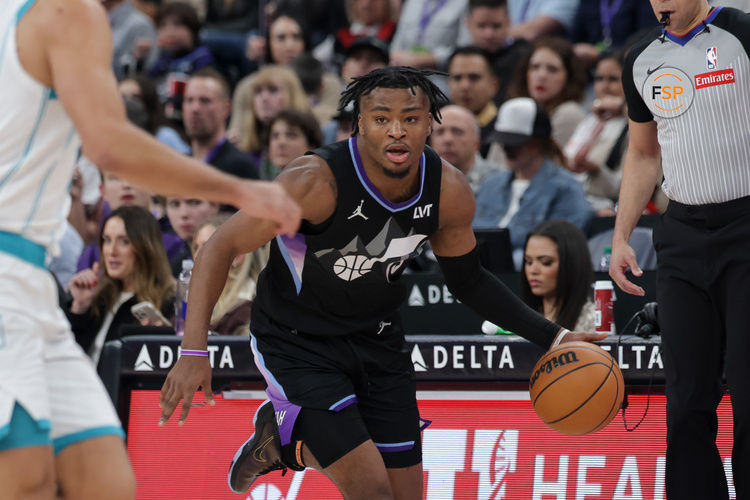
[[576, 388]]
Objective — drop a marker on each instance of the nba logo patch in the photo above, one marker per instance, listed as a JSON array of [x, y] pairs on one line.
[[712, 60]]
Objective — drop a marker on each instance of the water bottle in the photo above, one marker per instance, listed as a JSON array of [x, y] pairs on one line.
[[606, 258], [489, 328], [181, 297]]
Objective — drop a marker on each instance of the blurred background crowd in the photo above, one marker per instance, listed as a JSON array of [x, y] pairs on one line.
[[249, 85]]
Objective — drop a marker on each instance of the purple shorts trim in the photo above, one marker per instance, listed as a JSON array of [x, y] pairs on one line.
[[286, 414], [343, 403], [394, 447]]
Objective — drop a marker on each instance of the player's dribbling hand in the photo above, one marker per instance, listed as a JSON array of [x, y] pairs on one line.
[[623, 257], [268, 200], [189, 373]]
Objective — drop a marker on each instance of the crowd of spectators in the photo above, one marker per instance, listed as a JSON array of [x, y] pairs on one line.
[[537, 123]]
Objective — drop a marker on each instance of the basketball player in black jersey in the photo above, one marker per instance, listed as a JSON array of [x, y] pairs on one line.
[[325, 331]]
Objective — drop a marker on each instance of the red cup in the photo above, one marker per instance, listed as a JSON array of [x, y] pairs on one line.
[[604, 295]]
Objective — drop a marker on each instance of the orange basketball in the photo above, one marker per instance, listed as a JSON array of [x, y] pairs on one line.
[[576, 388]]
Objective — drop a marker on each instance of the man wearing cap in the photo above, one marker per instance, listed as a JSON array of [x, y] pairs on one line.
[[534, 189], [362, 56]]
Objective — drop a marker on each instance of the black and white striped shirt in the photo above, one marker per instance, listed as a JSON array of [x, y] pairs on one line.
[[697, 88]]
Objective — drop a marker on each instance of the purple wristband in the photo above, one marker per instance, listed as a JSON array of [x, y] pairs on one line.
[[193, 352]]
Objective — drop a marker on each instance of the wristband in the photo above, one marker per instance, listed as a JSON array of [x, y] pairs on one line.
[[559, 337], [193, 352]]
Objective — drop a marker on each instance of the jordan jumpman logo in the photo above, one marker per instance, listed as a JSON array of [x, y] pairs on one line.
[[358, 211]]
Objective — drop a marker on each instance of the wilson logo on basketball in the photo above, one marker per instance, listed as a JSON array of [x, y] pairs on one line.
[[714, 78], [563, 359]]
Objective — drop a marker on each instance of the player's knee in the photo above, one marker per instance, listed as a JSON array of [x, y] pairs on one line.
[[118, 483], [35, 484], [369, 489]]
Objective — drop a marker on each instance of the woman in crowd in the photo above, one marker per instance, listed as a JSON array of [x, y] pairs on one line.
[[258, 98], [286, 38], [134, 268], [231, 315], [596, 150], [557, 275], [552, 75], [291, 134]]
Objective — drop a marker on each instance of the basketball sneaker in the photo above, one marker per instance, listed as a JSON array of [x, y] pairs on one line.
[[260, 454]]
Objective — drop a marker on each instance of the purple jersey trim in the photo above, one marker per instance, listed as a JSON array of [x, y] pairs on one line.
[[370, 187], [293, 250]]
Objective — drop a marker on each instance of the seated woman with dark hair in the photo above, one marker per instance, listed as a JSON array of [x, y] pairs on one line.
[[557, 275], [134, 268]]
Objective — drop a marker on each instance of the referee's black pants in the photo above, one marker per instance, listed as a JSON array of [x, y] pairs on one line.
[[703, 291]]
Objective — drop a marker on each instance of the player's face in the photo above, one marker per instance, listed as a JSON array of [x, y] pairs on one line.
[[118, 253], [286, 142], [394, 125], [540, 264], [607, 79], [204, 108], [683, 14], [471, 82], [489, 27], [546, 75]]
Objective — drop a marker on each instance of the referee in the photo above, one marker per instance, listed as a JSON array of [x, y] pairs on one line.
[[688, 95]]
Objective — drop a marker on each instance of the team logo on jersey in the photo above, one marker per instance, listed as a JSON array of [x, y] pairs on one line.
[[668, 92], [712, 78], [388, 252], [420, 212], [712, 59], [358, 211]]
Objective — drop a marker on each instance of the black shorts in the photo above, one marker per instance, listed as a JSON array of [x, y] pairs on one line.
[[369, 374]]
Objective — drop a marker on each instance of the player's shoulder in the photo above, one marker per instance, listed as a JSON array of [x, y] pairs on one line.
[[307, 175], [455, 191], [71, 12]]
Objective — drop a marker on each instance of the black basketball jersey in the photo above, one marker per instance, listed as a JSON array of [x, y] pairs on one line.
[[341, 276]]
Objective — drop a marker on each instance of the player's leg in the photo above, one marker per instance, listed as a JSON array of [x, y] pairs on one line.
[[337, 444], [26, 465], [388, 406], [90, 457], [407, 483], [95, 468], [692, 352]]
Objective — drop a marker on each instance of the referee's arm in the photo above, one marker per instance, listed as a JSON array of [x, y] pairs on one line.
[[639, 178]]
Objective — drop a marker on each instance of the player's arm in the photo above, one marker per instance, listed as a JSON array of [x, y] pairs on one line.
[[639, 178], [77, 43], [310, 183], [455, 248]]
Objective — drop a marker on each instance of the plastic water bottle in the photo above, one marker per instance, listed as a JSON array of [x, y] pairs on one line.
[[489, 328], [606, 258], [181, 297]]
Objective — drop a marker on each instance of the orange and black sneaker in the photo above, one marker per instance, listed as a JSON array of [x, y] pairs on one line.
[[260, 454]]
